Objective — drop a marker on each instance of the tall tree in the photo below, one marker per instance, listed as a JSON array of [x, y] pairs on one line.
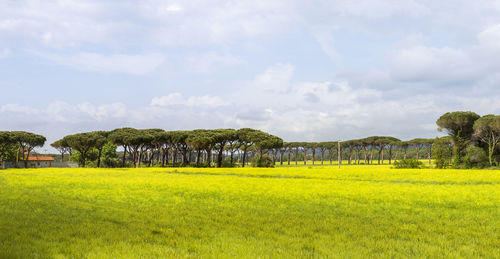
[[332, 148], [305, 147], [265, 142], [442, 152], [383, 143], [459, 126], [487, 130], [120, 137], [100, 140], [247, 138], [200, 140], [179, 146], [156, 144], [62, 147], [418, 144], [83, 143], [233, 145], [393, 142], [323, 148], [313, 146], [221, 138], [6, 144], [404, 146], [27, 141]]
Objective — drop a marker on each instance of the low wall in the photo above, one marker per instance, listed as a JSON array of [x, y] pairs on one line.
[[44, 165]]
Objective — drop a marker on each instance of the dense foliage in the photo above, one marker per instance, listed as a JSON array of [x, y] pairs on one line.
[[474, 139], [262, 161], [408, 163]]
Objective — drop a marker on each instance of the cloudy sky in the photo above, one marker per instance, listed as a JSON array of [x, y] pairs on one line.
[[303, 70]]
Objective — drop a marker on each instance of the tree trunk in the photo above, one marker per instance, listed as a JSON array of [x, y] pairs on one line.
[[313, 155], [390, 154], [209, 157], [140, 158], [305, 154], [174, 157], [429, 154], [219, 156], [149, 158], [166, 156], [365, 153], [197, 158], [163, 158], [382, 156], [243, 159], [82, 158], [99, 159], [296, 155], [134, 158], [183, 157], [379, 155], [124, 155], [371, 156]]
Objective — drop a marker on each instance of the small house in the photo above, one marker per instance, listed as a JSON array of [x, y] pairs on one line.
[[36, 161]]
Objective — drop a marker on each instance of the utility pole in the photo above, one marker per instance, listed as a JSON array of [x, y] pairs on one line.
[[338, 152]]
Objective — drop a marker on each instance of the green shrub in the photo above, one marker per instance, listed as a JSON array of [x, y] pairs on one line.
[[262, 161], [408, 163], [475, 157], [228, 164], [442, 153]]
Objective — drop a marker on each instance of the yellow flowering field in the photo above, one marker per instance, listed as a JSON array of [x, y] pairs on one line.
[[299, 212]]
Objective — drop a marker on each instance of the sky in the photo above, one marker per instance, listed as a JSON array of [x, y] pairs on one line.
[[302, 70]]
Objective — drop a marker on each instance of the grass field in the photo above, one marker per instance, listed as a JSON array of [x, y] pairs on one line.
[[300, 212]]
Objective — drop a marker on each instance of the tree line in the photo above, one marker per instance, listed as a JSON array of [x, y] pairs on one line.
[[199, 147], [472, 141]]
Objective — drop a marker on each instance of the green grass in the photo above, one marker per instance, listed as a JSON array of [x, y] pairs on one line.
[[355, 211]]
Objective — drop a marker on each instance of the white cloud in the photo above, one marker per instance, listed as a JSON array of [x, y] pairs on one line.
[[16, 108], [421, 63], [398, 68], [380, 9], [61, 23], [490, 37], [275, 79], [327, 43], [119, 63], [210, 61], [5, 53], [174, 8], [103, 112], [67, 113], [192, 101]]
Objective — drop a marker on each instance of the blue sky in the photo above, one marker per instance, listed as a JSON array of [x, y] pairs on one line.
[[303, 70]]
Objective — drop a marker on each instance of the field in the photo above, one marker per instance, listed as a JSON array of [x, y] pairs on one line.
[[304, 212]]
